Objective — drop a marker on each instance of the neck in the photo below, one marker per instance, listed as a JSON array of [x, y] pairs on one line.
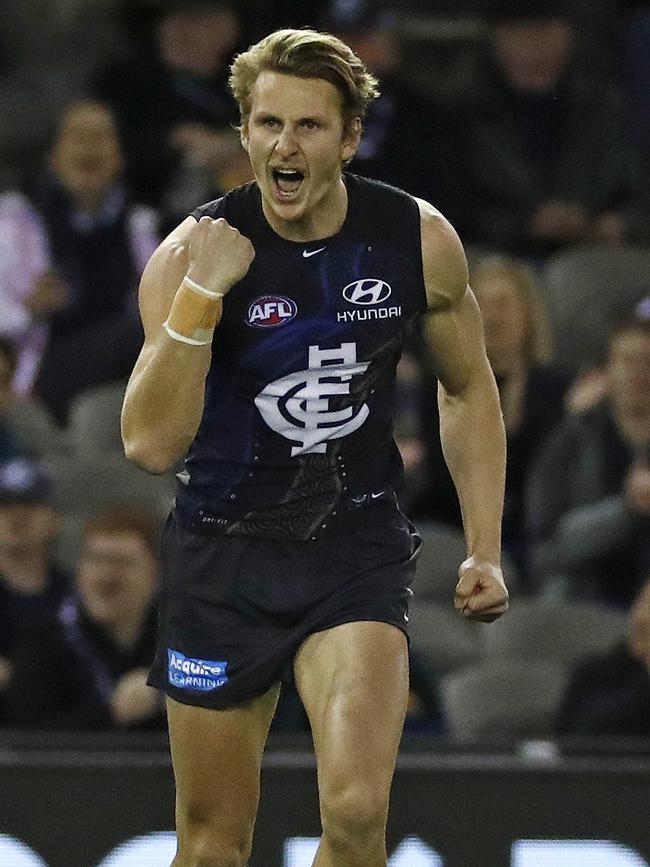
[[83, 198], [25, 572], [324, 218]]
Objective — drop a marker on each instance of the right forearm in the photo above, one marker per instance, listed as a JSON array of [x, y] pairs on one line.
[[164, 403]]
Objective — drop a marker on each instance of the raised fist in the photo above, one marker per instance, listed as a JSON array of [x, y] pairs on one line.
[[219, 255]]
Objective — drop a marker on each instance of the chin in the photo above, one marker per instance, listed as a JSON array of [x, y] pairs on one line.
[[290, 212]]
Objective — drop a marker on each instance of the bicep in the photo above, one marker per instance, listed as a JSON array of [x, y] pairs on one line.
[[455, 343], [453, 327]]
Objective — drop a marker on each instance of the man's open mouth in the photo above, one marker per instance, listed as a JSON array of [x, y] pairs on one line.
[[287, 181]]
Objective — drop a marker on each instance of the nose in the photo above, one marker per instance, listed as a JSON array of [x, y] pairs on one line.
[[287, 142]]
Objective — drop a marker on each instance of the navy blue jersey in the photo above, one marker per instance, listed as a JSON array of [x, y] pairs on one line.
[[297, 427]]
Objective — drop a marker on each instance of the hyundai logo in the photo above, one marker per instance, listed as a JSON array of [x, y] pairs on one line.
[[367, 291]]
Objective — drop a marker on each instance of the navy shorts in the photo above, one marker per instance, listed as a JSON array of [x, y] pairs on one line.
[[234, 610]]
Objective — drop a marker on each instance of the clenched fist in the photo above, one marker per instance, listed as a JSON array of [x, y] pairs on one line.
[[481, 592], [219, 255]]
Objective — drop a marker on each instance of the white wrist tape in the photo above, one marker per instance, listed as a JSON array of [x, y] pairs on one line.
[[194, 314], [197, 340], [209, 293]]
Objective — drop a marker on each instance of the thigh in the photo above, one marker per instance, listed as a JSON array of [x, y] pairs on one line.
[[353, 680], [217, 757]]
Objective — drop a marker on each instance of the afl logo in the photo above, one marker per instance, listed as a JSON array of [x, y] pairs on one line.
[[368, 291], [271, 310]]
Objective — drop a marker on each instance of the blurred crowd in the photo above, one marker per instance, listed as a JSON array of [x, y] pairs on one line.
[[529, 127]]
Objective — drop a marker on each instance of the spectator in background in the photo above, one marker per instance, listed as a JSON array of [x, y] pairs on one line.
[[86, 666], [10, 446], [174, 109], [73, 248], [589, 494], [408, 141], [610, 694], [532, 392], [48, 50], [31, 586], [550, 153], [636, 61]]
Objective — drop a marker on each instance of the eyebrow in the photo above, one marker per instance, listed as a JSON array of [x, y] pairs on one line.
[[261, 114]]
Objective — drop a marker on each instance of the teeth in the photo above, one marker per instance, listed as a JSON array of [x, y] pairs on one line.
[[288, 181]]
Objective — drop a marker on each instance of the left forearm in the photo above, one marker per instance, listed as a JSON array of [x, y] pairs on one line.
[[474, 446]]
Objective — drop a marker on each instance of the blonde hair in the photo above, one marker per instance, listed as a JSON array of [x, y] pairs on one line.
[[308, 54], [538, 345]]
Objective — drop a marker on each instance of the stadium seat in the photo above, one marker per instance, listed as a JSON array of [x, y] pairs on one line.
[[441, 638], [36, 429], [85, 487], [94, 421], [441, 553], [556, 630], [586, 289], [500, 698]]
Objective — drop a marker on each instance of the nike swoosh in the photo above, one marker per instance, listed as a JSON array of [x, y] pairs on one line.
[[377, 496], [307, 253]]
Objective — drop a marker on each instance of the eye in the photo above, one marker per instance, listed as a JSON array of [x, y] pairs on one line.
[[271, 122], [310, 123]]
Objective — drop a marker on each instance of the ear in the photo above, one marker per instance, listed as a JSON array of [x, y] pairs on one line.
[[351, 139], [243, 136]]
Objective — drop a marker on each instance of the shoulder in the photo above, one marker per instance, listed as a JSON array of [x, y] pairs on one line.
[[444, 263], [385, 213], [372, 192]]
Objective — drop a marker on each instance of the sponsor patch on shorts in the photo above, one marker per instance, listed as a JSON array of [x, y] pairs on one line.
[[202, 675]]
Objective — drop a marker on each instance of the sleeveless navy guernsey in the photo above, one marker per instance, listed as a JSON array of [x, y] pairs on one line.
[[296, 440]]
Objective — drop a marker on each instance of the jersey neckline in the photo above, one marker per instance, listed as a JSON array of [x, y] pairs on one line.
[[268, 230]]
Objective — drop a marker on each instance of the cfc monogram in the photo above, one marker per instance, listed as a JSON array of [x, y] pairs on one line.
[[297, 406]]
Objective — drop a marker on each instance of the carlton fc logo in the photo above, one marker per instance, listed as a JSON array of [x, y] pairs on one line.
[[270, 311], [367, 291], [313, 406]]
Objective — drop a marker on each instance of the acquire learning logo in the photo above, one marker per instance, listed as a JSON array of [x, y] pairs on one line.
[[203, 675], [270, 311]]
